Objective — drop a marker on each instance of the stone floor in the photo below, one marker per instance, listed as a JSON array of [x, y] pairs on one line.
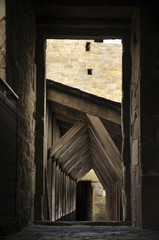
[[80, 231]]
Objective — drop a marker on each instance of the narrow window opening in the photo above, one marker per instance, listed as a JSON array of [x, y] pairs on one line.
[[89, 71], [88, 46]]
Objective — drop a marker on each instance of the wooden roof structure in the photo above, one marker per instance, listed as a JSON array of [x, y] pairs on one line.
[[89, 126]]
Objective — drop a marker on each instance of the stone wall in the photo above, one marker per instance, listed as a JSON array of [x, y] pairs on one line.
[[145, 120], [2, 40], [68, 62], [150, 117], [99, 197], [22, 78]]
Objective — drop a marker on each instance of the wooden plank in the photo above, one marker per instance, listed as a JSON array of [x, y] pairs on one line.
[[85, 168], [97, 124], [84, 105], [81, 168], [105, 163], [82, 156], [107, 145], [72, 149], [100, 176], [102, 166], [75, 156], [66, 140]]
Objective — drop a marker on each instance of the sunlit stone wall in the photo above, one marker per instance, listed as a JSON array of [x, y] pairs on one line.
[[94, 67]]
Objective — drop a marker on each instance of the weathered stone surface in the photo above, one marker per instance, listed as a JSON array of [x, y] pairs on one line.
[[68, 62], [77, 232], [135, 152], [21, 77]]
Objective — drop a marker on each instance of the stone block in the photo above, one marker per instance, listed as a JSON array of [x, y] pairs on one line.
[[135, 152], [2, 9]]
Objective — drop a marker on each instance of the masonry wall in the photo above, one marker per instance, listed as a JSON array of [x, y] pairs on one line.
[[150, 117], [21, 75], [145, 120], [2, 40], [68, 62]]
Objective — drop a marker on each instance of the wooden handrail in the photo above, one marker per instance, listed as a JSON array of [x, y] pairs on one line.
[[8, 92]]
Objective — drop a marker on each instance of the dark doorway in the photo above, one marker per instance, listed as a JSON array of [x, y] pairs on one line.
[[84, 201]]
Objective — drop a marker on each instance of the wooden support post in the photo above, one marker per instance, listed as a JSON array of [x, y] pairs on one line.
[[40, 128], [64, 196], [75, 186], [53, 189], [60, 195], [71, 195], [67, 194], [57, 194]]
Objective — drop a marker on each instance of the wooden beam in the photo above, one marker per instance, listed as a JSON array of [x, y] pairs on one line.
[[84, 105], [100, 176], [64, 118], [75, 157], [81, 23], [111, 32], [84, 172], [74, 165], [107, 145], [71, 116], [72, 149], [85, 168], [102, 166], [65, 141], [96, 148], [80, 168]]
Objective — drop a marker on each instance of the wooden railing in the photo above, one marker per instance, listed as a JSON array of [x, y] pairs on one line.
[[8, 92]]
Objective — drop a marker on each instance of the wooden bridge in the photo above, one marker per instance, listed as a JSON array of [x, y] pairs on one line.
[[83, 133]]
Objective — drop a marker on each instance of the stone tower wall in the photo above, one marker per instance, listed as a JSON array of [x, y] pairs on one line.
[[68, 62]]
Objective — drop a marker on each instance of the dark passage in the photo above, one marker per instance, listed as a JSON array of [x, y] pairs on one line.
[[84, 201]]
